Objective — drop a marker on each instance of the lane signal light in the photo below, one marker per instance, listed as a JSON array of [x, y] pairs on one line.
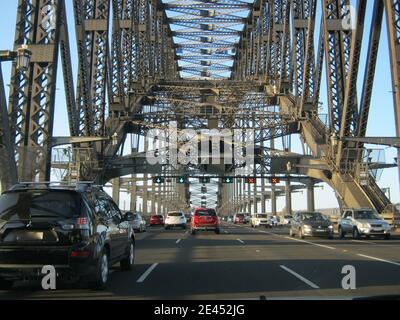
[[158, 180], [228, 180], [275, 180], [182, 180], [251, 180]]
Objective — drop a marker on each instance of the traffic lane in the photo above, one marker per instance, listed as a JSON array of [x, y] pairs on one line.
[[388, 250], [224, 260], [323, 261], [235, 269]]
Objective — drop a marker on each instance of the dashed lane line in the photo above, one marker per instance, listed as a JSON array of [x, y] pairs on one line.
[[147, 273], [298, 276]]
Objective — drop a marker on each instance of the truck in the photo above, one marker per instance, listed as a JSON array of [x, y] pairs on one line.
[[363, 222]]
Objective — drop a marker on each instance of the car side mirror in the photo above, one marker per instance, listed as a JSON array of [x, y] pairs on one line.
[[129, 216]]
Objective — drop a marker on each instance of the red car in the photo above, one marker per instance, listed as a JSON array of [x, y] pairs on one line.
[[239, 218], [156, 220], [205, 220]]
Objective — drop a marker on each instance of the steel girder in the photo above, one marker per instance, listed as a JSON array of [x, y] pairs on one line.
[[32, 93]]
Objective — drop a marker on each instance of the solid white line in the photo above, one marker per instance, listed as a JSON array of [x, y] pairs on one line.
[[314, 244], [366, 242], [147, 273], [378, 259], [242, 242], [179, 240], [311, 284]]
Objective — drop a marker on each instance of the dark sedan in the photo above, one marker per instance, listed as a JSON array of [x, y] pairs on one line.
[[311, 224]]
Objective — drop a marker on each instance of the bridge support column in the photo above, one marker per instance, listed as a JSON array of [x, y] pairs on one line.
[[310, 196], [273, 200], [288, 197], [133, 194], [116, 184], [153, 199], [262, 193]]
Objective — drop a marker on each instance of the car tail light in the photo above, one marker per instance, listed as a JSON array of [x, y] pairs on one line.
[[79, 254], [82, 223]]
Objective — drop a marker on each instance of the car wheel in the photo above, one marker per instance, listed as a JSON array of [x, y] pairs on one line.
[[330, 237], [102, 273], [166, 228], [184, 227], [6, 284], [356, 233], [193, 232], [301, 235], [387, 236], [217, 231], [342, 234], [128, 262]]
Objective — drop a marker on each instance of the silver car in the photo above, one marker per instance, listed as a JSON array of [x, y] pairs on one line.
[[138, 223], [311, 224], [363, 222]]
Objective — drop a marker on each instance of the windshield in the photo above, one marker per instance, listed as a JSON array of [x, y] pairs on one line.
[[240, 215], [175, 214], [261, 216], [25, 205], [313, 217], [366, 215], [206, 213]]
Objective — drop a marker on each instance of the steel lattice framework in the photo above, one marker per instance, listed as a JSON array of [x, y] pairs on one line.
[[206, 64]]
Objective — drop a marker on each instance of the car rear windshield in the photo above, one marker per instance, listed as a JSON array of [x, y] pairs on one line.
[[313, 216], [25, 205], [240, 215], [157, 217], [206, 213], [175, 214], [262, 216], [365, 215]]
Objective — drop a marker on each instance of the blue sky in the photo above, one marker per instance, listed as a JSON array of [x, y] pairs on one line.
[[381, 118]]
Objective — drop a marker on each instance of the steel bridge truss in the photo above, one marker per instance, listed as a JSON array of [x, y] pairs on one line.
[[222, 64]]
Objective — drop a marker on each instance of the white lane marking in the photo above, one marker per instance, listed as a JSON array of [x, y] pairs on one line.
[[311, 284], [226, 231], [378, 259], [241, 241], [179, 240], [366, 242], [147, 273], [312, 243]]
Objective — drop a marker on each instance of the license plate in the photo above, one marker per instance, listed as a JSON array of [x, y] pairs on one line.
[[30, 236]]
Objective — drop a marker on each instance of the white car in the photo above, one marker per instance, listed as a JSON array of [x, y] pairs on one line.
[[287, 220], [175, 219], [259, 219]]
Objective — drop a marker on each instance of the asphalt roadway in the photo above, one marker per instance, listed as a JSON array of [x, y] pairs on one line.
[[242, 263]]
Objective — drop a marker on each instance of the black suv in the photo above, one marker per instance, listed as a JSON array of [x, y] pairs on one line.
[[79, 230]]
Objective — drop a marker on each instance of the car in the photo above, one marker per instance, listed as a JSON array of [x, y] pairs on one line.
[[205, 220], [156, 220], [311, 224], [247, 218], [272, 221], [188, 217], [287, 220], [138, 223], [363, 222], [175, 219], [238, 218], [78, 229], [258, 220]]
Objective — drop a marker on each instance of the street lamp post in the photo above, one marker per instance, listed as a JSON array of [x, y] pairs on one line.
[[8, 174]]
